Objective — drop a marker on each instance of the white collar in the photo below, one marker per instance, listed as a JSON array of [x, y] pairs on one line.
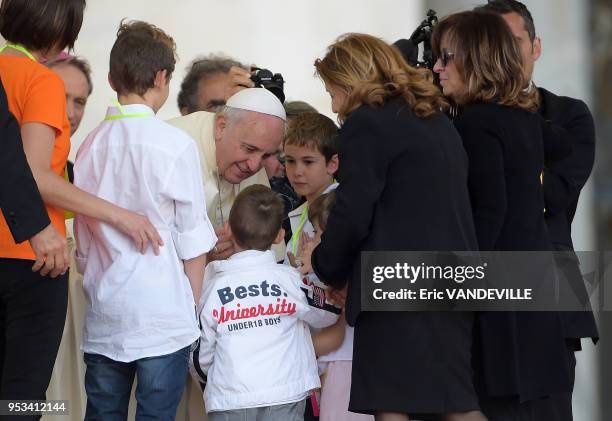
[[244, 259], [300, 209], [129, 109]]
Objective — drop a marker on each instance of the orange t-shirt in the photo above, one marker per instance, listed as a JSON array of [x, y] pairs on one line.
[[35, 95]]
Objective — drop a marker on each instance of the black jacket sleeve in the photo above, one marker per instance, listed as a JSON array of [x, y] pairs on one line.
[[363, 172], [486, 178], [557, 142], [20, 200], [564, 179]]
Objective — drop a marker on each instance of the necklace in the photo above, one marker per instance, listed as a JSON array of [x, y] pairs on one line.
[[19, 48], [220, 199], [220, 205], [122, 114]]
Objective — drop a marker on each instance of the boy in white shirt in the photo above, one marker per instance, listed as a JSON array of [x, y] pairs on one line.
[[255, 354], [140, 316]]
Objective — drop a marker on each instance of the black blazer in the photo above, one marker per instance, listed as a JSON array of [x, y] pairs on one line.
[[20, 199], [563, 180], [403, 187], [505, 147], [524, 353]]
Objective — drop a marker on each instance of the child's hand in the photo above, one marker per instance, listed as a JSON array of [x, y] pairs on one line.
[[307, 246], [293, 260]]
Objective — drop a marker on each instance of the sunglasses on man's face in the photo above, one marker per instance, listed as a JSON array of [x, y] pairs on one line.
[[446, 57]]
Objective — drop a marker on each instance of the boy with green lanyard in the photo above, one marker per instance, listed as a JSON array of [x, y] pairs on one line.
[[140, 316], [311, 160]]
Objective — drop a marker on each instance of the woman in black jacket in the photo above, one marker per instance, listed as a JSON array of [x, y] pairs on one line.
[[521, 356], [403, 187]]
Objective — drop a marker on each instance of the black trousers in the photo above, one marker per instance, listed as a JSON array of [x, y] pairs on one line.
[[32, 316], [557, 408], [552, 408]]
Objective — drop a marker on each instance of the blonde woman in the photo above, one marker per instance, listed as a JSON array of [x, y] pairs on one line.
[[520, 357], [403, 186]]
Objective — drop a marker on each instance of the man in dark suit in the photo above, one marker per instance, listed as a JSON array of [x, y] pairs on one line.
[[20, 200], [563, 180]]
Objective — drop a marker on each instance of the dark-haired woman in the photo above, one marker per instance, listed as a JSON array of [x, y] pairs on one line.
[[32, 306], [404, 188], [519, 357]]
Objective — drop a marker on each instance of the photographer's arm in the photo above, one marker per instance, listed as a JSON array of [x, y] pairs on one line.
[[239, 79]]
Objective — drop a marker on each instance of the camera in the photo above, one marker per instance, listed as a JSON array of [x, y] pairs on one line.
[[274, 82], [422, 34]]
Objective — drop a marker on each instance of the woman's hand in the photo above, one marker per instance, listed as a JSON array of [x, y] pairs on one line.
[[51, 250], [139, 229]]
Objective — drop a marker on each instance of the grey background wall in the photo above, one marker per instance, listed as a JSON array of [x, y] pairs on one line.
[[282, 36]]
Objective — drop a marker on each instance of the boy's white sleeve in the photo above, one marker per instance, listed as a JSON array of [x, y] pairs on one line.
[[312, 306], [203, 354], [192, 232], [82, 236], [207, 284]]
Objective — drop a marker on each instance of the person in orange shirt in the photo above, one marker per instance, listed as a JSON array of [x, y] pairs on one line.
[[21, 203], [33, 306]]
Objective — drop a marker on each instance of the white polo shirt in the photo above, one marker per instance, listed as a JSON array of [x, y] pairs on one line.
[[140, 305]]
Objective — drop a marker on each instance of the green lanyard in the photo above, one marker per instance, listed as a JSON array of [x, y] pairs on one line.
[[296, 235], [20, 48], [123, 114]]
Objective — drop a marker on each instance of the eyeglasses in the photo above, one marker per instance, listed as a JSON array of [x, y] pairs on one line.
[[446, 57]]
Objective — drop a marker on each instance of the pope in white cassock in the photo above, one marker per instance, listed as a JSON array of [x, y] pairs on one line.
[[233, 143]]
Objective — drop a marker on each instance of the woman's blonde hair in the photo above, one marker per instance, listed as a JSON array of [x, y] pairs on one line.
[[488, 59], [370, 72]]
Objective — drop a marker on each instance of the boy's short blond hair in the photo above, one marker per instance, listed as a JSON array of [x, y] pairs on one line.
[[314, 131], [256, 217]]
